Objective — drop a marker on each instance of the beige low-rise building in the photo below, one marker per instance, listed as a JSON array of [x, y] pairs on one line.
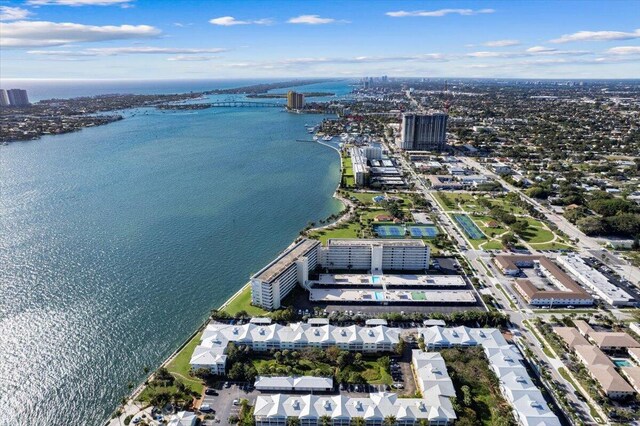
[[571, 336], [603, 371], [633, 375]]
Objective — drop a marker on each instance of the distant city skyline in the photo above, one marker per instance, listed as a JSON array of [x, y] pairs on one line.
[[144, 39]]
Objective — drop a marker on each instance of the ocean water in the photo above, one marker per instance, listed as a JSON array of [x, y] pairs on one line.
[[116, 241]]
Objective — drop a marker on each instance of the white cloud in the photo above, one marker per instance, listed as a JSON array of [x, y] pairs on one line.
[[312, 20], [193, 58], [624, 50], [597, 36], [501, 43], [229, 21], [44, 33], [13, 13], [532, 51], [438, 13], [121, 3], [541, 49], [138, 50]]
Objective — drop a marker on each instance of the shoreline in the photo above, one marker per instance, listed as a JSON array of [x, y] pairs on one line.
[[131, 398]]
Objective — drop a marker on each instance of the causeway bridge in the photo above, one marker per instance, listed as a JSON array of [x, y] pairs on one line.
[[245, 104]]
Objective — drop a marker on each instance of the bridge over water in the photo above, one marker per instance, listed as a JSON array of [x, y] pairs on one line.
[[245, 104]]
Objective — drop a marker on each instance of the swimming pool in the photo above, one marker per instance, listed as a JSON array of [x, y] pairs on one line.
[[375, 279], [622, 363], [378, 295]]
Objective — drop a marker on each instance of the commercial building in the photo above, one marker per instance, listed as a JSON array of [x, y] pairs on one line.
[[294, 384], [596, 281], [374, 255], [18, 97], [4, 98], [276, 280], [295, 100], [526, 400], [423, 132], [439, 182], [211, 353], [567, 291]]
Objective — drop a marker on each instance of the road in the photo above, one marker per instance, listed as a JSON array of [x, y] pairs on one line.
[[517, 316], [586, 244]]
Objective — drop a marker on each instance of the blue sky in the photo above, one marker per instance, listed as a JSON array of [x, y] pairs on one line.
[[145, 39]]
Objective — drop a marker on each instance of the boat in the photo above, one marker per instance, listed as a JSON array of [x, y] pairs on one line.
[[327, 138]]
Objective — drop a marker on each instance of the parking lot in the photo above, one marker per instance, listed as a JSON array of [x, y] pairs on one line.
[[222, 401]]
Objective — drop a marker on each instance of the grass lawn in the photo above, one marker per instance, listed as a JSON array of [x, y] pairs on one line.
[[592, 410], [367, 197], [179, 366], [304, 367], [469, 367], [537, 232], [551, 246], [375, 374], [346, 230], [481, 222], [633, 256], [492, 245], [243, 303]]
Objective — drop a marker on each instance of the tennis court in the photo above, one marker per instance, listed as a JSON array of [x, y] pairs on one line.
[[468, 226], [423, 231], [389, 231]]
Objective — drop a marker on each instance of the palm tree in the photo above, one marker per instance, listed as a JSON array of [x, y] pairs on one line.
[[390, 421], [293, 421], [358, 421], [325, 421]]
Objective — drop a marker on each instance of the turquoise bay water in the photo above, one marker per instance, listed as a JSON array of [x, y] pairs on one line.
[[116, 241]]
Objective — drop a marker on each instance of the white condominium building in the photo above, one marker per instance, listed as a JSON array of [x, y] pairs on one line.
[[527, 402], [596, 281], [374, 255], [210, 353], [276, 280]]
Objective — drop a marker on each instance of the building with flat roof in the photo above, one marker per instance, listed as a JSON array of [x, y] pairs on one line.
[[526, 400], [374, 255], [276, 280], [295, 100], [596, 281], [389, 280], [4, 98], [341, 296], [294, 384], [18, 97], [423, 132], [211, 352]]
